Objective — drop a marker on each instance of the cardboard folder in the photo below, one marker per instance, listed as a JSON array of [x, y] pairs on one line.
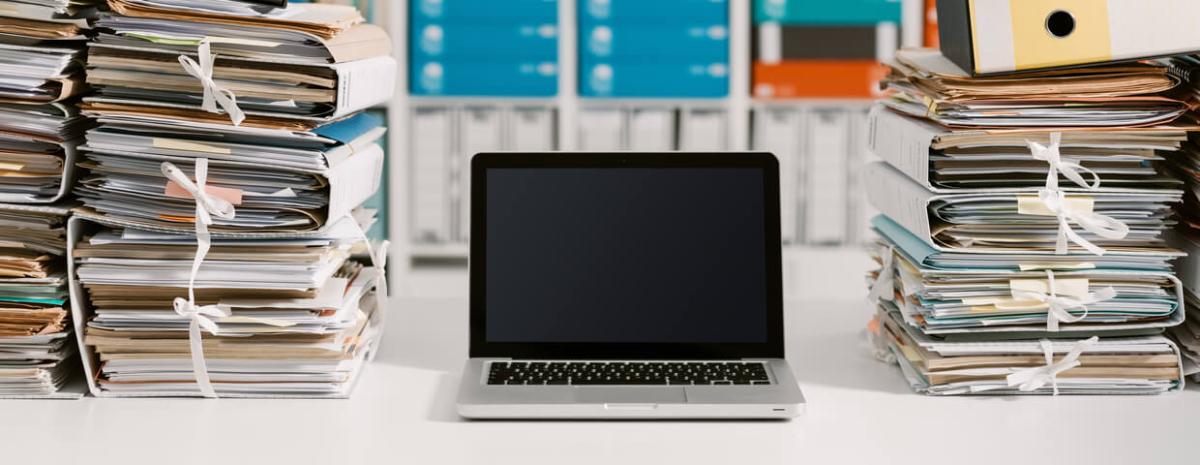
[[998, 36]]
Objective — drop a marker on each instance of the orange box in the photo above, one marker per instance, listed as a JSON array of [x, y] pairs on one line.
[[819, 79]]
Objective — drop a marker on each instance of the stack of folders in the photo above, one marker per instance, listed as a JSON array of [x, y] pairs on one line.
[[855, 37], [1024, 237], [1186, 165], [37, 352], [298, 317], [220, 200], [42, 48]]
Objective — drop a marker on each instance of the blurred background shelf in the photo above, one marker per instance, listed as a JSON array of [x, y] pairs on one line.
[[796, 78]]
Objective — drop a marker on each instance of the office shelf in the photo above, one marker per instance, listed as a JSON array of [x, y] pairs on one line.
[[738, 108]]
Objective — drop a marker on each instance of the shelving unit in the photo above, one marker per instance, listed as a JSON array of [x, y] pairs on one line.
[[738, 108]]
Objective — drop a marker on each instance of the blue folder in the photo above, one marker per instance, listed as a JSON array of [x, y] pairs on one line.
[[663, 79], [484, 78], [827, 12], [492, 10], [462, 40]]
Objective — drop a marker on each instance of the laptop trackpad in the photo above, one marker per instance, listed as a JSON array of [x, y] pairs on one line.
[[630, 395]]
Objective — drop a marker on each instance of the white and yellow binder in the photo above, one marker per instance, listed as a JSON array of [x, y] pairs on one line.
[[998, 36]]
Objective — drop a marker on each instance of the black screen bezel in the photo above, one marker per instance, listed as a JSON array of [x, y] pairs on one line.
[[480, 347]]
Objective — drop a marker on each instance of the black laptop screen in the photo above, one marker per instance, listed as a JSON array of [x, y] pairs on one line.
[[626, 255]]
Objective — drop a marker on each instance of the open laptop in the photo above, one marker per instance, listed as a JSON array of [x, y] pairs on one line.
[[626, 285]]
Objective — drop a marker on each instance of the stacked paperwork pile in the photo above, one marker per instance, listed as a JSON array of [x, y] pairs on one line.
[[42, 47], [1024, 236], [37, 352], [220, 206], [1186, 166]]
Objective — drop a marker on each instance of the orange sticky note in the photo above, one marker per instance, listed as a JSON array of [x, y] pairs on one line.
[[233, 196]]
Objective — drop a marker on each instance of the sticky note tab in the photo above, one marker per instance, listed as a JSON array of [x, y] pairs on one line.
[[233, 196], [188, 146], [1056, 266], [1033, 205], [1063, 287]]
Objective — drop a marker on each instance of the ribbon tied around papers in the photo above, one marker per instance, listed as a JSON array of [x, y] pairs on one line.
[[378, 256], [1053, 202], [1076, 209], [1058, 307], [884, 287], [1052, 155], [1032, 379], [199, 317], [214, 94]]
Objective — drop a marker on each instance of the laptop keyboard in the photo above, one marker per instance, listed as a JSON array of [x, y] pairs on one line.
[[628, 373]]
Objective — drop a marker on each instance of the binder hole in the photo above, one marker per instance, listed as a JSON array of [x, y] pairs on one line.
[[1060, 24]]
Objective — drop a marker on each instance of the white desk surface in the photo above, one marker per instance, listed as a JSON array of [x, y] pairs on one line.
[[860, 411]]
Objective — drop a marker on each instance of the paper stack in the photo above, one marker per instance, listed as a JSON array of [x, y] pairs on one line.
[[37, 353], [1023, 237], [42, 47], [1186, 166], [220, 204]]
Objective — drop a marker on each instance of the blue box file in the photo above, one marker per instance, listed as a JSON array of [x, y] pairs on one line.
[[669, 79], [484, 78], [653, 10], [827, 12], [464, 40], [701, 42], [491, 10]]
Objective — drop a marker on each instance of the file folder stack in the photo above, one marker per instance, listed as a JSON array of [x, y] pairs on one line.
[[210, 255], [42, 48], [1185, 165], [662, 49], [821, 49], [483, 48], [295, 317], [1023, 240], [37, 352]]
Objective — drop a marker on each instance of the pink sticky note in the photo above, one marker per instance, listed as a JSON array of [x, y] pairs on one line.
[[233, 196]]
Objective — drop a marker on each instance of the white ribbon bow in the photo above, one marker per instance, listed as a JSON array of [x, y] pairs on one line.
[[206, 206], [378, 256], [1095, 223], [1058, 308], [200, 318], [1032, 379], [884, 287], [1052, 155], [214, 94]]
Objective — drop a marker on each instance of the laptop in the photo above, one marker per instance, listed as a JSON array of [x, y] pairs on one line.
[[626, 286]]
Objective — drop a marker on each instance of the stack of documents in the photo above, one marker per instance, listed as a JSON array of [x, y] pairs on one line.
[[1024, 216], [220, 194], [282, 67], [37, 351], [280, 180], [296, 317], [1119, 365], [42, 52], [926, 84]]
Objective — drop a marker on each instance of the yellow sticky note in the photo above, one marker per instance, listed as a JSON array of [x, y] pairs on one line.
[[1033, 205], [1064, 287], [188, 146], [1056, 266]]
